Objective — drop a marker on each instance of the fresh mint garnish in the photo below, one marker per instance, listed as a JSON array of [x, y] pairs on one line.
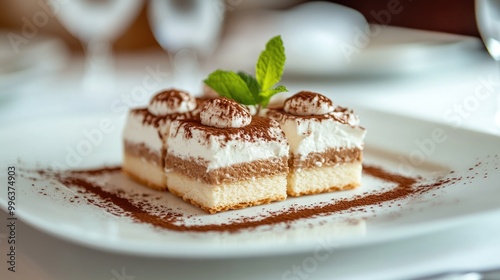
[[252, 84], [246, 89], [229, 84], [270, 65]]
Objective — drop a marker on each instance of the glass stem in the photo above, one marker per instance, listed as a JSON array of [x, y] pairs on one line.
[[99, 75], [187, 70]]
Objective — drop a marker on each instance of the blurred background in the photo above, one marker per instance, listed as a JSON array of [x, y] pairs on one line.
[[444, 15], [90, 55]]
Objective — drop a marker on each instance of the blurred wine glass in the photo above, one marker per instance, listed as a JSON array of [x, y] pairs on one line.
[[189, 31], [97, 23], [488, 23]]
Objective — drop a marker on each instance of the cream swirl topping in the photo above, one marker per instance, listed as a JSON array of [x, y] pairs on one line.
[[224, 113], [345, 116], [308, 103], [171, 101]]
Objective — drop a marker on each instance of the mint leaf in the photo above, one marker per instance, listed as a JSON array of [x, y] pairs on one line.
[[271, 63], [270, 92], [246, 89], [231, 85], [265, 96], [252, 84]]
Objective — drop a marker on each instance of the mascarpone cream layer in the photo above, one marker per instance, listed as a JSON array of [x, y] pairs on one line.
[[138, 131], [223, 150], [316, 135]]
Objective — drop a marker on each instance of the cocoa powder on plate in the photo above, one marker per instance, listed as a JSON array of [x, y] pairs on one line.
[[139, 212]]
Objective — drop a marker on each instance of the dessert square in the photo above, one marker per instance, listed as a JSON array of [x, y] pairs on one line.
[[145, 133], [227, 159], [326, 144]]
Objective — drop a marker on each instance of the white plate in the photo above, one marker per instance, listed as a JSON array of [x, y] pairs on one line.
[[339, 43], [391, 141], [398, 50]]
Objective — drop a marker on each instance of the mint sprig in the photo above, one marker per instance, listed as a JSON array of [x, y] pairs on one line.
[[271, 62], [248, 90]]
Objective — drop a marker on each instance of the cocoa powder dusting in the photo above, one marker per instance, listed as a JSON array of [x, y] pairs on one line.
[[140, 211]]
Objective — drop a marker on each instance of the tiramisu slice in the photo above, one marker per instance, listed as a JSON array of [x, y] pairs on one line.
[[227, 159], [145, 132], [326, 144]]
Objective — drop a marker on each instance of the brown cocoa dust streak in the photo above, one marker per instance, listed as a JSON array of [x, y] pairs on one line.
[[406, 187]]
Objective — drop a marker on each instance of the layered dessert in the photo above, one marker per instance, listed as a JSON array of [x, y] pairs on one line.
[[227, 159], [326, 144], [145, 135]]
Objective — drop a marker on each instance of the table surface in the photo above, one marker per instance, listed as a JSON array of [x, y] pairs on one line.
[[463, 95]]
